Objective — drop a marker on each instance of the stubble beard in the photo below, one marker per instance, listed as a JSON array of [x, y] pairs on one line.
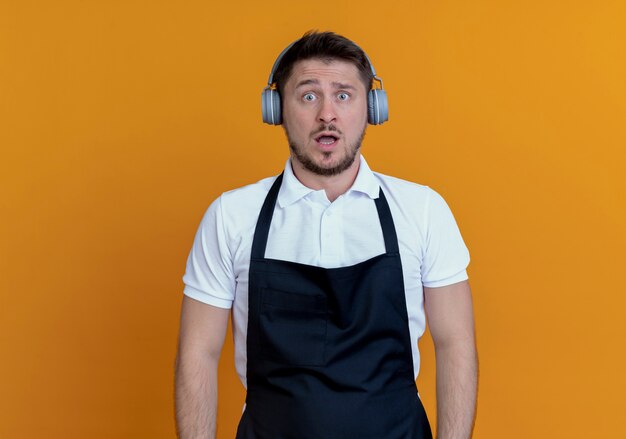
[[309, 164]]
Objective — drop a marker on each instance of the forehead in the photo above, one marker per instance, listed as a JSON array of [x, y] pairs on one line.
[[324, 71]]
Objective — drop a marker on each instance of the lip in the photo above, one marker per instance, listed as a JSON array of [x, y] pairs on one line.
[[326, 134]]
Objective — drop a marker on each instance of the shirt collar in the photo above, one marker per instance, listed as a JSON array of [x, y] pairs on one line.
[[292, 190]]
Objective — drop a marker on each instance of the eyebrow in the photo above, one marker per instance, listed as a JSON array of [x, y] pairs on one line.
[[338, 85]]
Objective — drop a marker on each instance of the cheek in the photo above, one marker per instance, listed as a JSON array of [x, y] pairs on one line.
[[296, 120], [358, 111], [296, 129], [358, 119]]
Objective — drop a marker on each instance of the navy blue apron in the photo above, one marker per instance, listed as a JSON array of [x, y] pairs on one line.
[[329, 350]]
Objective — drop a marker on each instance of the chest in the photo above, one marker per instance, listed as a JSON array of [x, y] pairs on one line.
[[340, 234]]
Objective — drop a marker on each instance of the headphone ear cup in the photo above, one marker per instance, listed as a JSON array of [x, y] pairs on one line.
[[377, 109], [270, 107]]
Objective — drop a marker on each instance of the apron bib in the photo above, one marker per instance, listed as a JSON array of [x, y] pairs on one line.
[[329, 351]]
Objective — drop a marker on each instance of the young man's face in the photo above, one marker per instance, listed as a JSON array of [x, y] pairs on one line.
[[324, 114]]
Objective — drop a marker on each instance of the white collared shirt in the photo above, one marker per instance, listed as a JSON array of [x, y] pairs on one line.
[[307, 228]]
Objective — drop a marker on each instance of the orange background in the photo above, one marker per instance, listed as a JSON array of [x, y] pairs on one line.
[[120, 121]]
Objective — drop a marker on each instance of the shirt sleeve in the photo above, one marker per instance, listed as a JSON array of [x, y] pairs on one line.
[[209, 274], [446, 257]]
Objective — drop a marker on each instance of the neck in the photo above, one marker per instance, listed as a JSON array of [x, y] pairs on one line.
[[333, 185]]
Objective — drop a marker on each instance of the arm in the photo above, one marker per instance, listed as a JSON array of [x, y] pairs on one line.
[[451, 323], [202, 333]]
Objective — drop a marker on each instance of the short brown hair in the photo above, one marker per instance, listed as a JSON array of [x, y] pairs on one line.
[[326, 46]]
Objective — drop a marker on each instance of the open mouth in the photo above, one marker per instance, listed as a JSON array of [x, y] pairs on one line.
[[327, 139]]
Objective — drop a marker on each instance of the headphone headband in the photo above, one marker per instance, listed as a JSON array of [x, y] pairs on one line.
[[377, 108], [270, 80]]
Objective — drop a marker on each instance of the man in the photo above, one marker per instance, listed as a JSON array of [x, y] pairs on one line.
[[329, 270]]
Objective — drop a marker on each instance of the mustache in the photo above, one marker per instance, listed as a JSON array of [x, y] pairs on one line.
[[326, 128]]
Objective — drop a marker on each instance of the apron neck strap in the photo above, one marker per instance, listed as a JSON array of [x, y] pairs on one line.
[[262, 229], [386, 222]]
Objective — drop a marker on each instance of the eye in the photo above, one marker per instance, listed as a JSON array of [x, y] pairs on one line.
[[309, 97], [343, 96]]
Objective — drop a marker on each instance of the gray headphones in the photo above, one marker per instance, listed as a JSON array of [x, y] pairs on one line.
[[377, 110]]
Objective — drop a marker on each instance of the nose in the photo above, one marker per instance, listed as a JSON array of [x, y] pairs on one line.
[[326, 112]]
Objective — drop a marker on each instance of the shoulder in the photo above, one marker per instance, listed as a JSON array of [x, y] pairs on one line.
[[239, 208], [248, 193], [406, 194], [416, 207]]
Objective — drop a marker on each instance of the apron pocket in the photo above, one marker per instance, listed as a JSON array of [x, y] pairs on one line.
[[293, 327]]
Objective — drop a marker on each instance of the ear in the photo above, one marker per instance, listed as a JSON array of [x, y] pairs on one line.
[[270, 106], [377, 109]]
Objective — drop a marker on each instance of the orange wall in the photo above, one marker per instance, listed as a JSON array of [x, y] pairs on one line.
[[120, 121]]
